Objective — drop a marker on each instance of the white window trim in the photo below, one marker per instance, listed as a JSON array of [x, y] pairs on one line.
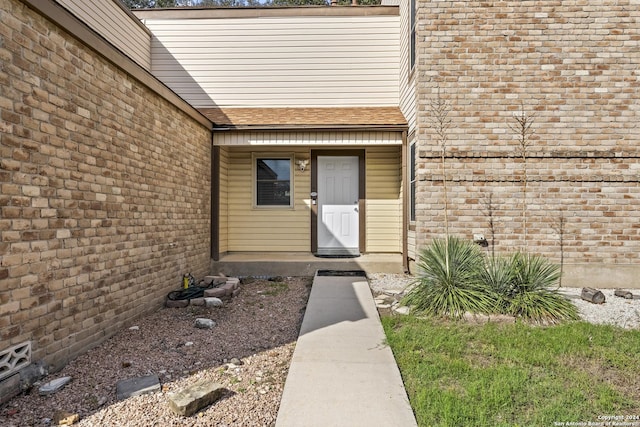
[[254, 182], [413, 146]]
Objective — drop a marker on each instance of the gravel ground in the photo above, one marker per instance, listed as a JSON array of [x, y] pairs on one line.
[[614, 311], [258, 328]]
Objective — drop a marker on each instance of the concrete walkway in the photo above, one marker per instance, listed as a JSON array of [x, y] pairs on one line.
[[342, 373]]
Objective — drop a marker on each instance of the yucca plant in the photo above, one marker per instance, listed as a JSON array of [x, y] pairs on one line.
[[524, 285], [448, 282]]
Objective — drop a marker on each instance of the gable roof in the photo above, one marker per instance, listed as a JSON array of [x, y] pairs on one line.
[[307, 118]]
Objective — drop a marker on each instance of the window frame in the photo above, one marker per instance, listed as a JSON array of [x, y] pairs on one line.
[[413, 180], [254, 179]]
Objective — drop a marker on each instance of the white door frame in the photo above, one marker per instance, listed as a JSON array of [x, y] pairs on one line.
[[359, 206]]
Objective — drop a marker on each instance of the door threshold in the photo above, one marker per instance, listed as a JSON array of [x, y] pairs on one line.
[[336, 256]]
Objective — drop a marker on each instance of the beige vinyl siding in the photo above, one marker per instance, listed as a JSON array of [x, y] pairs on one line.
[[307, 138], [412, 252], [114, 24], [408, 101], [223, 218], [279, 61], [384, 200], [407, 89], [266, 229]]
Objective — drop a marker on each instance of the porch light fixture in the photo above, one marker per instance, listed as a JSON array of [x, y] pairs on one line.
[[302, 164]]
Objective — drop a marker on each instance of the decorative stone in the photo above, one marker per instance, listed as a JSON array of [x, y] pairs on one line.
[[197, 301], [196, 397], [181, 303], [9, 387], [202, 323], [137, 386], [623, 294], [403, 310], [64, 418], [214, 280], [233, 281], [593, 295], [228, 288], [213, 302], [54, 386], [215, 293]]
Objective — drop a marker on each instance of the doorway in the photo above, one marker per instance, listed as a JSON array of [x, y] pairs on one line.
[[337, 204]]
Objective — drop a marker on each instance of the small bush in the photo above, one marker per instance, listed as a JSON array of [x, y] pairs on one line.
[[448, 281], [454, 277], [523, 285]]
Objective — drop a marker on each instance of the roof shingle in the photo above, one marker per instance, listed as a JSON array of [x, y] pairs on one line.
[[324, 117]]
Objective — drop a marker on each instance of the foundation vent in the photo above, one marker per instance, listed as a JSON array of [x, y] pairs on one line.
[[14, 359]]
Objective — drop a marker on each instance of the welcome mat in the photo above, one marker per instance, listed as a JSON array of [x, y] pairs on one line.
[[342, 273]]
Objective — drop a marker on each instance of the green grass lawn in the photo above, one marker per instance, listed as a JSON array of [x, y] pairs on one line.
[[459, 374]]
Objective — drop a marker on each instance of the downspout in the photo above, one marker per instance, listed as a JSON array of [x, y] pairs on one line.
[[405, 206], [215, 200]]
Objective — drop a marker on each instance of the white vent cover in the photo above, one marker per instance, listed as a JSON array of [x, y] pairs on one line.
[[14, 358]]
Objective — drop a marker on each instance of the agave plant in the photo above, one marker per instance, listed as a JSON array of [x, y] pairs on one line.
[[497, 275], [524, 285], [448, 280]]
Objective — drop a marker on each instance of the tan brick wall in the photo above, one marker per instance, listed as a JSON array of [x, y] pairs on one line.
[[574, 66], [105, 198]]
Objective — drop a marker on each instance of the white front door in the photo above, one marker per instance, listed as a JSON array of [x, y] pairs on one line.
[[338, 196]]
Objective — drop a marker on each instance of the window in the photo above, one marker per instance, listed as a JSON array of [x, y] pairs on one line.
[[412, 183], [412, 31], [273, 181]]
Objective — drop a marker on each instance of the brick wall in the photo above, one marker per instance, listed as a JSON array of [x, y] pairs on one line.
[[574, 67], [105, 198]]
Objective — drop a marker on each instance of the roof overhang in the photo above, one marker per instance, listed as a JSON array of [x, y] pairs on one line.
[[307, 118]]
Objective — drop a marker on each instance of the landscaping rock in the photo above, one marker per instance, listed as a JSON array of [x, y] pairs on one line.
[[214, 280], [54, 386], [202, 323], [213, 302], [137, 386], [403, 310], [198, 301], [593, 295], [623, 294], [479, 319], [215, 293], [64, 418], [177, 303], [228, 288], [194, 398]]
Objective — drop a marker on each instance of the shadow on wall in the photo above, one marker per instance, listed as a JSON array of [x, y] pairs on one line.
[[168, 69]]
